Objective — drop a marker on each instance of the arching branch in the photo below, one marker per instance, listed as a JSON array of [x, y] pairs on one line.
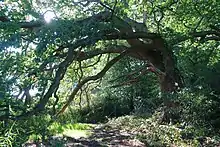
[[91, 78], [58, 77]]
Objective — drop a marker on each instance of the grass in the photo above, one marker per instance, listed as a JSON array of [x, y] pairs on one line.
[[77, 133], [75, 130]]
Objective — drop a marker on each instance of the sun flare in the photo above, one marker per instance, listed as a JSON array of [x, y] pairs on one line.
[[48, 16]]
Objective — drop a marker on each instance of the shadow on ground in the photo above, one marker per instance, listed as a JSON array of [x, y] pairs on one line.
[[100, 136]]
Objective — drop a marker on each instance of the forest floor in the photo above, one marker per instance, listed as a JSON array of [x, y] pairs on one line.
[[104, 135], [101, 135], [126, 131]]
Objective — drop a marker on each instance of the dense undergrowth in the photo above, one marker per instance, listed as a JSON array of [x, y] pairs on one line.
[[188, 124], [154, 134], [147, 130]]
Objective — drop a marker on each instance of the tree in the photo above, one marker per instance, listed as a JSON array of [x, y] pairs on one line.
[[49, 50]]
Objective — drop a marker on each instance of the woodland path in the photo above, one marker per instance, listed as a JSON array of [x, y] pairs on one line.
[[100, 136]]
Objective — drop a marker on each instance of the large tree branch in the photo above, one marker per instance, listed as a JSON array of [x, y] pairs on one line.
[[132, 35], [53, 87], [120, 24], [90, 54], [121, 36], [147, 52], [58, 77], [91, 78], [71, 56], [142, 52], [204, 35], [39, 23]]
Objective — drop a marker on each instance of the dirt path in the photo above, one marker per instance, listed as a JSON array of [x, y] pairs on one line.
[[100, 136]]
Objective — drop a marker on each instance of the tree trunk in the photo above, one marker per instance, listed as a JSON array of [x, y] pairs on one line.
[[170, 82]]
